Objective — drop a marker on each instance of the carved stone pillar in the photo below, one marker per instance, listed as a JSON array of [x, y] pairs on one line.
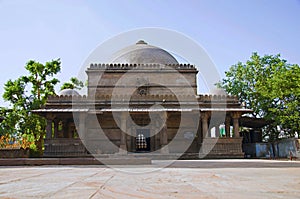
[[82, 127], [65, 128], [129, 142], [227, 126], [50, 118], [49, 129], [209, 135], [70, 130], [56, 128], [217, 130], [123, 137], [204, 119], [235, 118], [164, 135]]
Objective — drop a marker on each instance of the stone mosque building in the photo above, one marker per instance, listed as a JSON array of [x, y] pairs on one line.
[[145, 117]]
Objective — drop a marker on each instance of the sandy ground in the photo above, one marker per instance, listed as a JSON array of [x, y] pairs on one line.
[[182, 179]]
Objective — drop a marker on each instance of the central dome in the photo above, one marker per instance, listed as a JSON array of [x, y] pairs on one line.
[[142, 53]]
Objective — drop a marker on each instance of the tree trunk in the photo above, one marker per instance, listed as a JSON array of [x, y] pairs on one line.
[[39, 145]]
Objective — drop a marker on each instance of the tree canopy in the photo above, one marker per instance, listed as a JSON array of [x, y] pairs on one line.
[[27, 93], [74, 83], [270, 86]]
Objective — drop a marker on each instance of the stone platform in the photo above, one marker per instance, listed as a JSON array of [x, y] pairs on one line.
[[182, 179], [74, 161]]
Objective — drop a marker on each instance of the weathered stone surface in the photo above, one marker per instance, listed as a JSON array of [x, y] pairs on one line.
[[183, 179], [14, 153], [116, 160]]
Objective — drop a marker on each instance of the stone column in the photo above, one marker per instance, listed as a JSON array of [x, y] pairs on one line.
[[49, 118], [235, 117], [227, 126], [65, 128], [129, 142], [199, 135], [164, 135], [70, 130], [56, 128], [204, 119], [217, 130], [209, 132], [123, 140], [49, 129], [82, 127], [156, 135]]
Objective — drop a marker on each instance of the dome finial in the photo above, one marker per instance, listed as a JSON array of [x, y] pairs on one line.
[[141, 42]]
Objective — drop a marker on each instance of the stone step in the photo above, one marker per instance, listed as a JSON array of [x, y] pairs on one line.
[[74, 161]]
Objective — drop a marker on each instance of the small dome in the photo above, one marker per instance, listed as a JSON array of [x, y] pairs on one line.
[[142, 53], [68, 92]]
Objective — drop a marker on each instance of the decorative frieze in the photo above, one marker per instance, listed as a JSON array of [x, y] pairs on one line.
[[119, 66]]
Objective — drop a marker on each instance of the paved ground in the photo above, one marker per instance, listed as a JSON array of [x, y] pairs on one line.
[[183, 179]]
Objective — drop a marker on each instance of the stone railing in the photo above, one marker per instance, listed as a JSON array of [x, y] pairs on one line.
[[222, 147], [64, 147]]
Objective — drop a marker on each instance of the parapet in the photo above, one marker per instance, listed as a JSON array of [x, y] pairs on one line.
[[118, 66]]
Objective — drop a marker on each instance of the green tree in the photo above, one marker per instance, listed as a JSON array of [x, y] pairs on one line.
[[10, 119], [282, 87], [74, 83], [257, 84], [27, 93]]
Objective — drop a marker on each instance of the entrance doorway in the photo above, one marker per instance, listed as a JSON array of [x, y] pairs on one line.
[[142, 142]]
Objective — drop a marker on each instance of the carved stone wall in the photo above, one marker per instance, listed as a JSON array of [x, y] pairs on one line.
[[102, 79]]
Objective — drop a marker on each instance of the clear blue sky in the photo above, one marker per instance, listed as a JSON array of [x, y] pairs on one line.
[[229, 30]]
